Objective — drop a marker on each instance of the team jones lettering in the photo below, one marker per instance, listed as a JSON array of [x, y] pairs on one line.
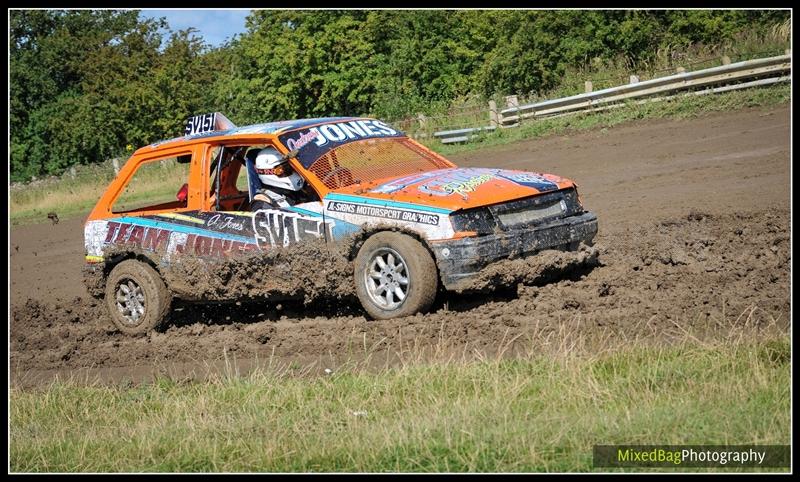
[[272, 229], [155, 239], [280, 228], [343, 131]]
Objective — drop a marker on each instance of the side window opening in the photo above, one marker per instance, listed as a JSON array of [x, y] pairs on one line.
[[233, 179], [156, 184], [238, 186]]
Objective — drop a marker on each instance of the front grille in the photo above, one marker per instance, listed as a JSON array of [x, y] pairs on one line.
[[519, 214], [538, 209], [532, 215]]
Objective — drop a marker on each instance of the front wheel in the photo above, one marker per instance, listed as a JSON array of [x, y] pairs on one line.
[[395, 276], [137, 298]]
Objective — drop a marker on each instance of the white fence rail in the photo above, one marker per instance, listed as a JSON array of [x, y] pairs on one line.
[[731, 76], [462, 135]]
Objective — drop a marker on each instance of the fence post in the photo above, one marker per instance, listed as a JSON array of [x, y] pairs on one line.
[[513, 101], [788, 51], [423, 123], [72, 172], [634, 79], [587, 86], [726, 60], [494, 118], [115, 163]]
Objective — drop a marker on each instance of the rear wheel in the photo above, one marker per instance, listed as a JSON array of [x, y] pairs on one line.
[[136, 297], [395, 276]]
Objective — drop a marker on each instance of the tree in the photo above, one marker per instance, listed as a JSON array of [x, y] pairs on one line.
[[86, 83]]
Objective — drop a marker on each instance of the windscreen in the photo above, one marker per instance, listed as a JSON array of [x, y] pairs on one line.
[[368, 160], [357, 152]]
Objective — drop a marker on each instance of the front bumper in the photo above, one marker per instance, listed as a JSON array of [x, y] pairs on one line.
[[461, 259]]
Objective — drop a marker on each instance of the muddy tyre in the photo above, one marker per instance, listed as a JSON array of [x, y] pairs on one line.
[[137, 298], [395, 276]]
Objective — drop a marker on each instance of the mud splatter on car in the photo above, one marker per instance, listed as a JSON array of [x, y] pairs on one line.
[[430, 225]]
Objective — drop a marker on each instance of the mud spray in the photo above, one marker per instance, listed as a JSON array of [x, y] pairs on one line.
[[311, 272]]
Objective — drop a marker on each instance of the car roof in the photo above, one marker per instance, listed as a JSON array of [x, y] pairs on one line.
[[268, 128]]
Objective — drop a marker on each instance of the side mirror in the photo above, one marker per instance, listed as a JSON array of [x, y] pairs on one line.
[[183, 193]]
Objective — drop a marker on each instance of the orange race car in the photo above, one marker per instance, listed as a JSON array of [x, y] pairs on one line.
[[426, 223]]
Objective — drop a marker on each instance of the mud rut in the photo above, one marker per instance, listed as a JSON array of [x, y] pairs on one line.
[[694, 235]]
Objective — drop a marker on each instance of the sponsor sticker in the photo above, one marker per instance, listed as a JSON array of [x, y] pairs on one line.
[[529, 179], [383, 212], [319, 140], [304, 139], [460, 182]]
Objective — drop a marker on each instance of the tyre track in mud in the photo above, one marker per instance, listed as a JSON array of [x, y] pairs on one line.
[[694, 233]]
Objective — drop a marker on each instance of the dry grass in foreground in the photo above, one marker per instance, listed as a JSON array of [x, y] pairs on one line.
[[436, 411]]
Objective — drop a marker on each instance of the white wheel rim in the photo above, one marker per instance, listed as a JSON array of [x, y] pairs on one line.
[[386, 279], [130, 301]]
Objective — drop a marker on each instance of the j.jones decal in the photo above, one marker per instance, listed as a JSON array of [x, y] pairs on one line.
[[219, 237], [383, 212]]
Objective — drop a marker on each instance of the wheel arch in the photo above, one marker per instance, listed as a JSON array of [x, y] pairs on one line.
[[96, 278], [362, 235]]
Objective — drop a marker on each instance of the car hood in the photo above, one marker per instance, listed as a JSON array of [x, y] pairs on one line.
[[460, 188]]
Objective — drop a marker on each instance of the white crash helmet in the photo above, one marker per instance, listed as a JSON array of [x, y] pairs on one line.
[[272, 170]]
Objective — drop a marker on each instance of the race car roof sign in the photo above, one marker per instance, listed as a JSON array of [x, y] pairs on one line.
[[203, 123], [316, 141]]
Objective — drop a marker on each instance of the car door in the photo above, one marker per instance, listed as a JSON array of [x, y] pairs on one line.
[[229, 212]]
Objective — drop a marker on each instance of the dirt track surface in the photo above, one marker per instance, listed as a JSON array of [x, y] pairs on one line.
[[694, 231]]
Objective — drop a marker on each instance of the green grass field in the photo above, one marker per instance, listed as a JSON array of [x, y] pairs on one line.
[[536, 413], [69, 196]]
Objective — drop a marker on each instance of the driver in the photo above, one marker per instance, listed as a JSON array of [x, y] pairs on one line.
[[280, 185]]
